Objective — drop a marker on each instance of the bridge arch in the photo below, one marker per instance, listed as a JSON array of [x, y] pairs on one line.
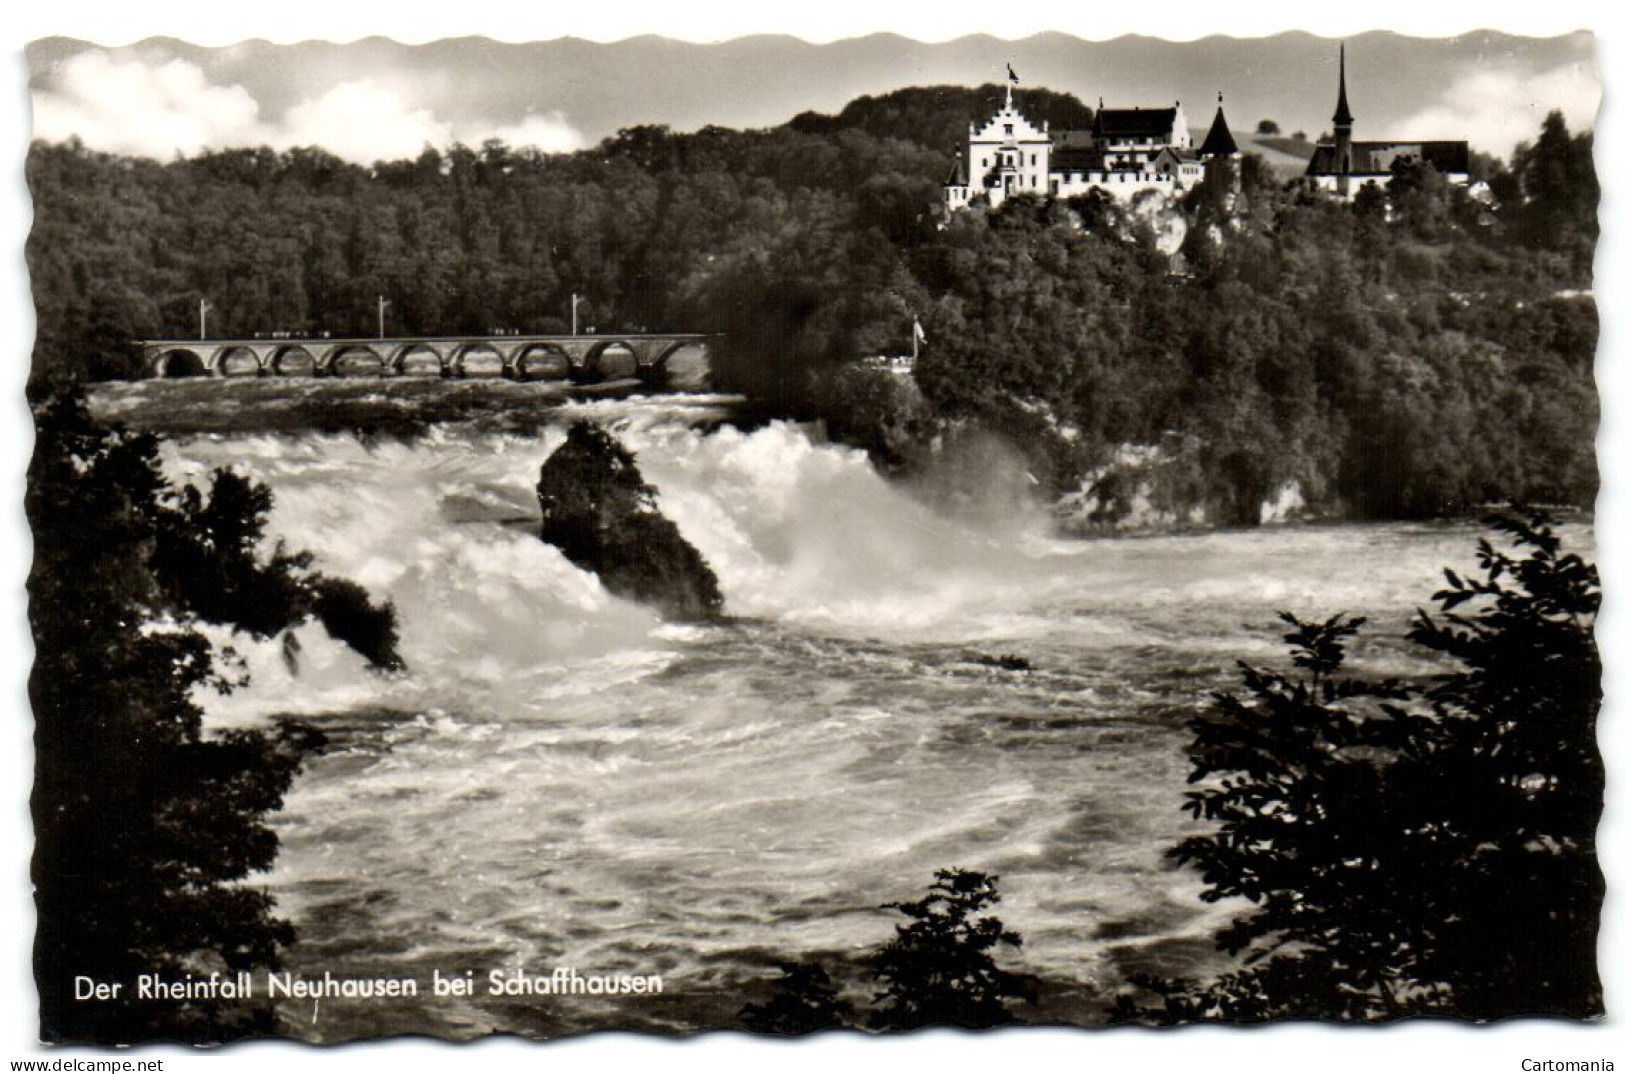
[[613, 359], [675, 360], [417, 360], [685, 364], [237, 361], [180, 362], [542, 361], [355, 360], [292, 361], [479, 359]]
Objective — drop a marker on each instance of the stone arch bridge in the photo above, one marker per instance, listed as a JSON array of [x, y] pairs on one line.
[[651, 358]]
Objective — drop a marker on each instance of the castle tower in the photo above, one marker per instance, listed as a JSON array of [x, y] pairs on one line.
[[1343, 132], [1219, 153], [1219, 141]]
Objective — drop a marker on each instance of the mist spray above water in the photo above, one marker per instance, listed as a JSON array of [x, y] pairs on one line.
[[800, 533], [444, 526]]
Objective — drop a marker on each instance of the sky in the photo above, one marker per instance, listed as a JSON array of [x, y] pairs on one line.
[[376, 98]]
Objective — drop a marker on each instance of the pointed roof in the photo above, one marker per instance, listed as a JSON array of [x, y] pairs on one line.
[[1341, 118], [1219, 142]]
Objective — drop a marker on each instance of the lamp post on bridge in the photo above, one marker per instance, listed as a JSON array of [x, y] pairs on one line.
[[383, 304], [202, 318], [575, 300]]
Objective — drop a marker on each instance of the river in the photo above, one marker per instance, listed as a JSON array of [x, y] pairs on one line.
[[559, 780]]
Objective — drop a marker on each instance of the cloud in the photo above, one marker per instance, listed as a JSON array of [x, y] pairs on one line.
[[551, 133], [363, 122], [157, 108], [1496, 108], [144, 109]]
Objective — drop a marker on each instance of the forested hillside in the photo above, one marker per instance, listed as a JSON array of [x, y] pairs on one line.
[[461, 241], [1403, 357]]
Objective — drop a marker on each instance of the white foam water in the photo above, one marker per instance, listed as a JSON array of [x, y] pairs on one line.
[[558, 779]]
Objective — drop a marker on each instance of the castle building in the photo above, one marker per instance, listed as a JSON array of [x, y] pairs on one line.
[[1127, 150], [1342, 166], [1007, 155]]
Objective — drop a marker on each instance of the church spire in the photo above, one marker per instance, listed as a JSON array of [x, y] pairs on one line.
[[1341, 118], [1342, 133]]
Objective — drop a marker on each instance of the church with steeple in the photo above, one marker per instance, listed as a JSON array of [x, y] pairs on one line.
[[1341, 167]]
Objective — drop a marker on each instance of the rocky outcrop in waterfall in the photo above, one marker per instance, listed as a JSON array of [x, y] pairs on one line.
[[598, 511]]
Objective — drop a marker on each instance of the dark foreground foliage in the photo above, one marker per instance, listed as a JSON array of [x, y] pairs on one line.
[[1411, 848], [207, 556], [144, 826], [938, 970], [804, 1000], [598, 511]]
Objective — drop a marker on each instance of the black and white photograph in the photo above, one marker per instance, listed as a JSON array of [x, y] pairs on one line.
[[541, 536]]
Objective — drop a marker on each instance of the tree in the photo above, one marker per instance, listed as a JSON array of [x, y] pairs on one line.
[[1525, 777], [879, 411], [1421, 198], [145, 825], [1269, 127], [1558, 180], [804, 1000], [1371, 201], [206, 557], [939, 968], [1422, 848]]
